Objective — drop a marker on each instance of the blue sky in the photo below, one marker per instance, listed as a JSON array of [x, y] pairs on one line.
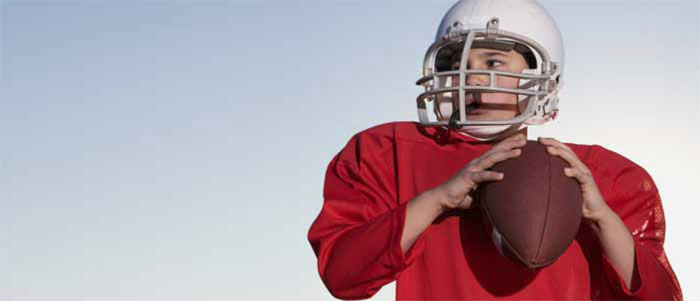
[[175, 150]]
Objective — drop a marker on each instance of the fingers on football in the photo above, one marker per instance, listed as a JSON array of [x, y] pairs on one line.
[[491, 159], [465, 203], [566, 152], [507, 143], [557, 143], [486, 175], [570, 157], [516, 141], [580, 176]]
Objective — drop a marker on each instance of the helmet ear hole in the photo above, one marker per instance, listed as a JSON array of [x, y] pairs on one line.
[[557, 79]]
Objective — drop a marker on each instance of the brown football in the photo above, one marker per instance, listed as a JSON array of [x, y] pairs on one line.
[[534, 212]]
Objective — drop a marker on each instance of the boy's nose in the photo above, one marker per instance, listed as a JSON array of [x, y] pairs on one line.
[[477, 80]]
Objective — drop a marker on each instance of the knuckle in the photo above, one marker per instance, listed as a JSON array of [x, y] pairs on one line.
[[467, 184], [516, 144], [493, 158], [488, 174], [478, 177], [507, 154], [472, 169]]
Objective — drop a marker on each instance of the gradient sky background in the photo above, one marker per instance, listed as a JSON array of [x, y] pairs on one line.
[[176, 150]]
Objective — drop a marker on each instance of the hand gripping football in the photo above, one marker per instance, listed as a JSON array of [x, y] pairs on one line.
[[534, 212]]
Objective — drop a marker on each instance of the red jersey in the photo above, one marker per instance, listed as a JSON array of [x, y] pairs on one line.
[[368, 184]]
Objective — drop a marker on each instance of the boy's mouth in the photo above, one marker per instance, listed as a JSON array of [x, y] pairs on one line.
[[473, 109], [473, 104]]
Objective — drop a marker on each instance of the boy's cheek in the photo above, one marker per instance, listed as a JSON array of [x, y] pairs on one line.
[[500, 98], [507, 82]]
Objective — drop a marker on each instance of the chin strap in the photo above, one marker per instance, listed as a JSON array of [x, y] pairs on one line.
[[454, 117], [498, 136], [453, 120]]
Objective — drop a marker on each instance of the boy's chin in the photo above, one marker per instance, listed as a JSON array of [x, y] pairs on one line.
[[495, 116]]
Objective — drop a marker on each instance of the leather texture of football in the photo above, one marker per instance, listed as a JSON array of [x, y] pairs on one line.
[[534, 212]]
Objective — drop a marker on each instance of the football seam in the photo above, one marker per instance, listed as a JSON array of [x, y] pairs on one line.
[[546, 213]]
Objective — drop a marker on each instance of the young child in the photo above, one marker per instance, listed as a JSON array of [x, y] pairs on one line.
[[398, 201]]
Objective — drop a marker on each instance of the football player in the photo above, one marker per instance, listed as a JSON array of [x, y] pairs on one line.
[[398, 202]]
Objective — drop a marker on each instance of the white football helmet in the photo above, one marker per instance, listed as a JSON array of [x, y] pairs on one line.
[[520, 25]]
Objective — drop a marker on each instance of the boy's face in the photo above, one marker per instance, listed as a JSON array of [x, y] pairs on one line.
[[490, 105]]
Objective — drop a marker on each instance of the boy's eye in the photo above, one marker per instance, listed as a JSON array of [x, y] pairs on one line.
[[494, 63], [489, 63]]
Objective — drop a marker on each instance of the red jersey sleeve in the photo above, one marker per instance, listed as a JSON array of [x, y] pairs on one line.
[[357, 235], [635, 198]]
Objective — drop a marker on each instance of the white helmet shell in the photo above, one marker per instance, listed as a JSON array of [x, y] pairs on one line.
[[524, 17]]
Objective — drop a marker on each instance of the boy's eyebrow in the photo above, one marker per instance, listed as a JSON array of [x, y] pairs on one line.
[[493, 53], [486, 54]]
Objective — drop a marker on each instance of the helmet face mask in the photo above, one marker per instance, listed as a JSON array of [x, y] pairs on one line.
[[448, 92]]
